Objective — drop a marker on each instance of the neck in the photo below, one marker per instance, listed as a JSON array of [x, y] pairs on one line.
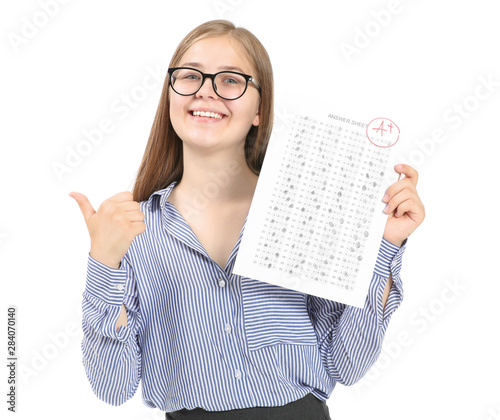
[[217, 179]]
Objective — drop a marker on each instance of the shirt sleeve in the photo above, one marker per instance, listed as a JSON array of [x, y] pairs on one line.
[[349, 338], [112, 359]]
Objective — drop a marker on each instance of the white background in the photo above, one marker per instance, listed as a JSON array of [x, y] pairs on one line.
[[441, 349]]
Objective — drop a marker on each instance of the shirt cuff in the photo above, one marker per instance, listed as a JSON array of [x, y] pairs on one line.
[[389, 260], [106, 283]]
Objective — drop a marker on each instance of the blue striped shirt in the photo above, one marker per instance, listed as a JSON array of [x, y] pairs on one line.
[[200, 336]]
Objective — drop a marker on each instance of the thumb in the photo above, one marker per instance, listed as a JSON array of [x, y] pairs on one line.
[[85, 206]]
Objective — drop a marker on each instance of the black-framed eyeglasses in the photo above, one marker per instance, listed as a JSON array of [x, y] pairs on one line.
[[227, 84]]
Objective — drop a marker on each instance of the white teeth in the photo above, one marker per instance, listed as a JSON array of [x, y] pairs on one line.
[[207, 114]]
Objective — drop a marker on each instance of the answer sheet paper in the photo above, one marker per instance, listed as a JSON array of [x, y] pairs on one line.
[[317, 217]]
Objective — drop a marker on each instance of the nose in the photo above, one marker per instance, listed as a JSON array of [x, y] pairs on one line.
[[207, 89]]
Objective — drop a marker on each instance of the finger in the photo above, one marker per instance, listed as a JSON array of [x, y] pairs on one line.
[[130, 206], [122, 197], [408, 172], [398, 199], [85, 206], [405, 207], [397, 187], [135, 216]]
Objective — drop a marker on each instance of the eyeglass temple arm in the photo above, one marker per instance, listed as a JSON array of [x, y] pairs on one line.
[[255, 83]]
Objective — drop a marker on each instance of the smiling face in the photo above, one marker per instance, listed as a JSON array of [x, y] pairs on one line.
[[231, 120]]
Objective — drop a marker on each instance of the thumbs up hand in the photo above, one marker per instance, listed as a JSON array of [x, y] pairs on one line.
[[112, 227]]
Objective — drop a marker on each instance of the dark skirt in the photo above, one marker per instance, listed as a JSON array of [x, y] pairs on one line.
[[307, 408]]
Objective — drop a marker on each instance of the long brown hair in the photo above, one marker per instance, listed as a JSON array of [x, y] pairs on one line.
[[162, 161]]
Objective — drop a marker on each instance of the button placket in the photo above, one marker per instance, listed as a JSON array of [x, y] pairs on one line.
[[230, 344]]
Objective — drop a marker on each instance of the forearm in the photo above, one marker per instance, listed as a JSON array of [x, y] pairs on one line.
[[350, 338], [388, 286], [387, 290], [111, 355], [122, 319], [111, 358]]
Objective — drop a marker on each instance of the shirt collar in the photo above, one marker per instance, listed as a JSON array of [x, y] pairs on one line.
[[163, 193]]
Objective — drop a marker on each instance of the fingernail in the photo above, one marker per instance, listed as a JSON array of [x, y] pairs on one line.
[[386, 197], [386, 209]]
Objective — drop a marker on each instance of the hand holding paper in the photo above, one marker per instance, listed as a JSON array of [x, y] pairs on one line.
[[405, 209]]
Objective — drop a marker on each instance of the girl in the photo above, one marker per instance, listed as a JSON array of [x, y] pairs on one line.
[[161, 303]]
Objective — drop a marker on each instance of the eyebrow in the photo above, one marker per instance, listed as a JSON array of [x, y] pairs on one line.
[[195, 64]]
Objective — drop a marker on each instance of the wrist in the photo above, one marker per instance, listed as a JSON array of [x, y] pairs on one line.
[[394, 241], [105, 260]]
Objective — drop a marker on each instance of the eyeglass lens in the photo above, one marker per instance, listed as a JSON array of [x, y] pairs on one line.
[[228, 85]]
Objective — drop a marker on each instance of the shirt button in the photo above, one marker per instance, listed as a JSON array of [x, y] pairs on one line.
[[120, 286], [237, 374], [227, 328], [222, 283]]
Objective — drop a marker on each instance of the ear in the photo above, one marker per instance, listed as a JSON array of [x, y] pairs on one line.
[[256, 119]]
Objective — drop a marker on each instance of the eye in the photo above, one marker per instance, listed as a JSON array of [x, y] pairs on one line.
[[230, 80], [191, 76], [186, 74]]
